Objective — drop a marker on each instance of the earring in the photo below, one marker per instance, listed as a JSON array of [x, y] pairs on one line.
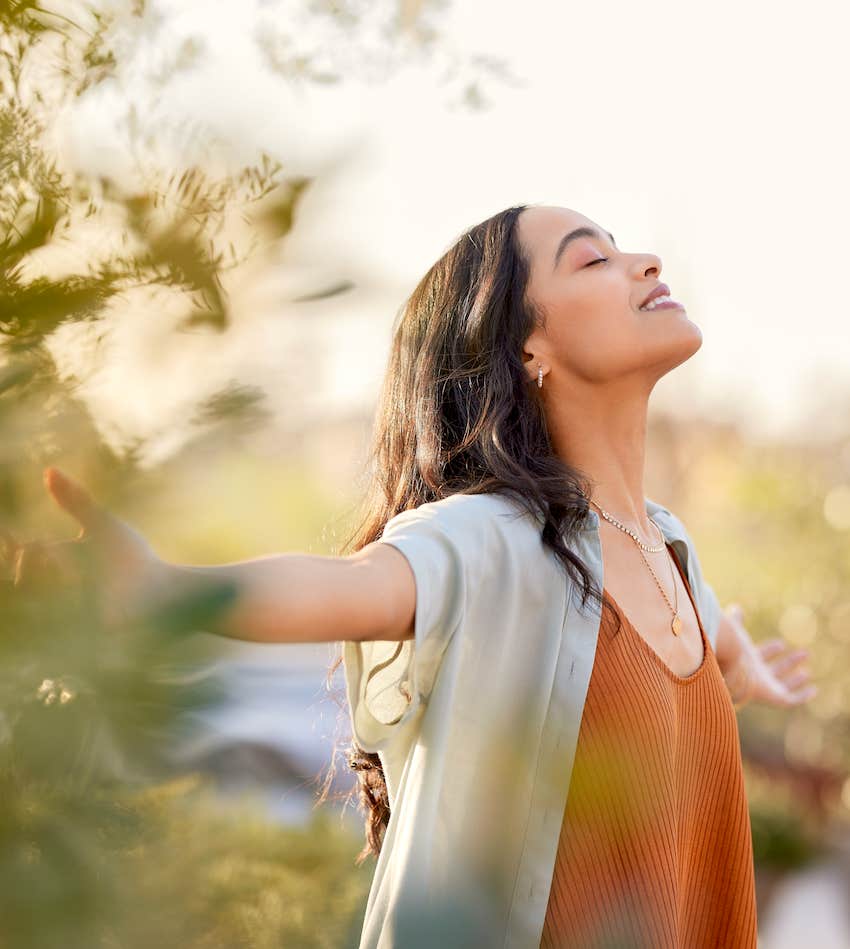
[[540, 378]]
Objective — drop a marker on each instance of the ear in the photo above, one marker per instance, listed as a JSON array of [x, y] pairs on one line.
[[533, 355], [533, 367]]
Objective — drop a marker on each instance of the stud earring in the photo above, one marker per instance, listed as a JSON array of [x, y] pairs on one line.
[[540, 378]]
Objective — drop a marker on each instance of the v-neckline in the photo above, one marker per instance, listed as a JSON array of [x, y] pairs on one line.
[[655, 656]]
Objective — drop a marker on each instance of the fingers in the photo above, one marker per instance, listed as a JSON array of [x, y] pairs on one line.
[[775, 653], [805, 695], [782, 659], [73, 498], [800, 695], [790, 661], [791, 684], [795, 681]]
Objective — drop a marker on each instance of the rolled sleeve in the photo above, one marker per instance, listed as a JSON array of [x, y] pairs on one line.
[[388, 683]]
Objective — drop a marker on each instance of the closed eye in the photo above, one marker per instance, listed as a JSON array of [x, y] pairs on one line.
[[598, 260]]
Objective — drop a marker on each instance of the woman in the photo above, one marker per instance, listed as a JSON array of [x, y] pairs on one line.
[[541, 682]]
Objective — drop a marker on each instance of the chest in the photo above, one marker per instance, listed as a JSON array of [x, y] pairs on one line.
[[647, 592]]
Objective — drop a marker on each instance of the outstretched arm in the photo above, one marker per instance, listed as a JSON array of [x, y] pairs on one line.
[[729, 644], [287, 597], [299, 598]]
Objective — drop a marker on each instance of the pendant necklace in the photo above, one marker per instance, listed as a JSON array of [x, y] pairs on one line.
[[676, 622]]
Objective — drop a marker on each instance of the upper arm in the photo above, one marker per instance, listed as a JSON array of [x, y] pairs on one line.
[[725, 648], [381, 594]]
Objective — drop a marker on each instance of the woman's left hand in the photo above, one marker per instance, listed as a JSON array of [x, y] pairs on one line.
[[768, 671]]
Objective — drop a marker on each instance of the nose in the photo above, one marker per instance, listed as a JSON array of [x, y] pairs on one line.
[[647, 263]]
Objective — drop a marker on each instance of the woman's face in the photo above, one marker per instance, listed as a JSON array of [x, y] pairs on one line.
[[595, 331]]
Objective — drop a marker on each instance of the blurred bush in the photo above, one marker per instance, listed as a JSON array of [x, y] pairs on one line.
[[100, 843]]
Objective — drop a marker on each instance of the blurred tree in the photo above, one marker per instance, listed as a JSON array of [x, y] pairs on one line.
[[90, 853]]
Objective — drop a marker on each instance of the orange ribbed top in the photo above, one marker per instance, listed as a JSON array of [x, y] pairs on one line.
[[656, 846]]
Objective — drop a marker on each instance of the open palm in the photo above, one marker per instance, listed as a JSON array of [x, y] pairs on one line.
[[119, 561], [775, 668]]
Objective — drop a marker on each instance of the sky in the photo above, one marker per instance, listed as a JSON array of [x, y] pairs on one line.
[[712, 136]]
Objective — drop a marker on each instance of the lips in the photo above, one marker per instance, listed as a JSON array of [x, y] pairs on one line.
[[659, 291]]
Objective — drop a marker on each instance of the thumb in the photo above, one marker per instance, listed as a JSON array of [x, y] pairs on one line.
[[73, 498]]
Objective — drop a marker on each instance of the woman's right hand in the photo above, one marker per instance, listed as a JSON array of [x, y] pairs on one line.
[[125, 570]]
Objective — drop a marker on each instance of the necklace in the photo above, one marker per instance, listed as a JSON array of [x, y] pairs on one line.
[[630, 532], [676, 622]]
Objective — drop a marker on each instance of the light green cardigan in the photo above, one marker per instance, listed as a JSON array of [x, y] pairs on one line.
[[478, 759]]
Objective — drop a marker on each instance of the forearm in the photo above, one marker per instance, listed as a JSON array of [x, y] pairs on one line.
[[289, 597], [729, 645]]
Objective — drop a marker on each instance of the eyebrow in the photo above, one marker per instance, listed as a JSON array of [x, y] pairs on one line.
[[567, 239]]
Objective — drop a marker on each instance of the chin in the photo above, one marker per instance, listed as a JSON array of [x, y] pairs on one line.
[[680, 343], [695, 332], [688, 341]]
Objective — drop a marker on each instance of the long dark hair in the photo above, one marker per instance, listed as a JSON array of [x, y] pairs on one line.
[[458, 412]]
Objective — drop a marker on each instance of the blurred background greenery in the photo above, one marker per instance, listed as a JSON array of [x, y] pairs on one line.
[[110, 837], [105, 838]]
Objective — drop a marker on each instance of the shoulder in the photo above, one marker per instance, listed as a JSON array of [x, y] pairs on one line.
[[476, 523], [678, 535], [671, 524], [472, 510]]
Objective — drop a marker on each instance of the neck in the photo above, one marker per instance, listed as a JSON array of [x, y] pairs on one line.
[[605, 440]]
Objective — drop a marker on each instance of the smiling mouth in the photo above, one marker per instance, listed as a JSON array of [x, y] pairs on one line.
[[662, 303]]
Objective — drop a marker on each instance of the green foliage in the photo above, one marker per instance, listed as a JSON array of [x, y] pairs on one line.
[[168, 866], [100, 845], [165, 235], [780, 840]]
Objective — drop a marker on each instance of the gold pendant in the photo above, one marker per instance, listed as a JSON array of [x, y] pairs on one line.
[[677, 624]]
